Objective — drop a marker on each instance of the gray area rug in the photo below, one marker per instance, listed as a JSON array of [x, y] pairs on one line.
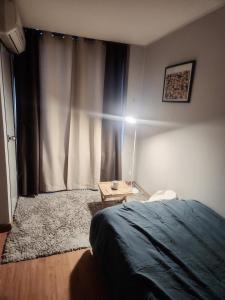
[[53, 223]]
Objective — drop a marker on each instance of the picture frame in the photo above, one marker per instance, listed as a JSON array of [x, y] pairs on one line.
[[178, 82]]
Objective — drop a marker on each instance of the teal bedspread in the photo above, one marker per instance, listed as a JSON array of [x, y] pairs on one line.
[[161, 250]]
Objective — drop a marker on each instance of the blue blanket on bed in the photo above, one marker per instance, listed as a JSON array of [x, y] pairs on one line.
[[161, 250]]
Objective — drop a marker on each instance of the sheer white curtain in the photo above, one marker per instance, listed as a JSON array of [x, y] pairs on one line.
[[72, 79]]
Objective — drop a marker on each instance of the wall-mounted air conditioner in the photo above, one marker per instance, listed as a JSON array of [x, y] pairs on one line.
[[11, 31]]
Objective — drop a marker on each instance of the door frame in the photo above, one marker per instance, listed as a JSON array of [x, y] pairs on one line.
[[6, 199]]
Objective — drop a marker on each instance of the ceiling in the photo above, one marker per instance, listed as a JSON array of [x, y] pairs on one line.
[[130, 21]]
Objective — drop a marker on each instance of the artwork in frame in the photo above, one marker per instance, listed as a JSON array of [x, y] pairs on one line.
[[178, 80]]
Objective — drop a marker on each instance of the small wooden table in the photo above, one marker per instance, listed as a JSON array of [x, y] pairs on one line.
[[121, 193]]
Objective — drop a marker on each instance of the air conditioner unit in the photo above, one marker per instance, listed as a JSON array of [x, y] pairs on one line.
[[11, 31]]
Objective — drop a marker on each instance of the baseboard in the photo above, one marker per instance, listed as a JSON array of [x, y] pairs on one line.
[[5, 227]]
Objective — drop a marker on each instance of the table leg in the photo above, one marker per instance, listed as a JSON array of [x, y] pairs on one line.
[[102, 196]]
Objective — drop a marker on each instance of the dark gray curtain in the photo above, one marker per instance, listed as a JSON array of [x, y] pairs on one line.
[[115, 86], [26, 70]]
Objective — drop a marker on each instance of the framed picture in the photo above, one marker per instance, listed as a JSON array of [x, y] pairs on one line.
[[178, 80]]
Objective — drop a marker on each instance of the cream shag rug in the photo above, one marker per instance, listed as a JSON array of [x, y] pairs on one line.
[[52, 223]]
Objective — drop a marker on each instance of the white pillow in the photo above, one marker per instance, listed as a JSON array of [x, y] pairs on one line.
[[163, 195]]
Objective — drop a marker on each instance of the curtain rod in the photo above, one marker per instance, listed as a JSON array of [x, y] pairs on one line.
[[53, 34], [73, 37], [61, 35]]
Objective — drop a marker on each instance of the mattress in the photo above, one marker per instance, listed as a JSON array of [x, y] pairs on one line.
[[172, 249]]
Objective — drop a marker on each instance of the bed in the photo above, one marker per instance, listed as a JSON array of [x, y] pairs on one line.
[[171, 249]]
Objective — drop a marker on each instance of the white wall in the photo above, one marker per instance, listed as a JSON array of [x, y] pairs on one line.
[[190, 158], [190, 161]]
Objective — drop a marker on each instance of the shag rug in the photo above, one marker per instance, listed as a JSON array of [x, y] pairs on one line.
[[52, 223]]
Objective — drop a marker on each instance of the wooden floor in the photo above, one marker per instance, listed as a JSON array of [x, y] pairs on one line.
[[73, 275]]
